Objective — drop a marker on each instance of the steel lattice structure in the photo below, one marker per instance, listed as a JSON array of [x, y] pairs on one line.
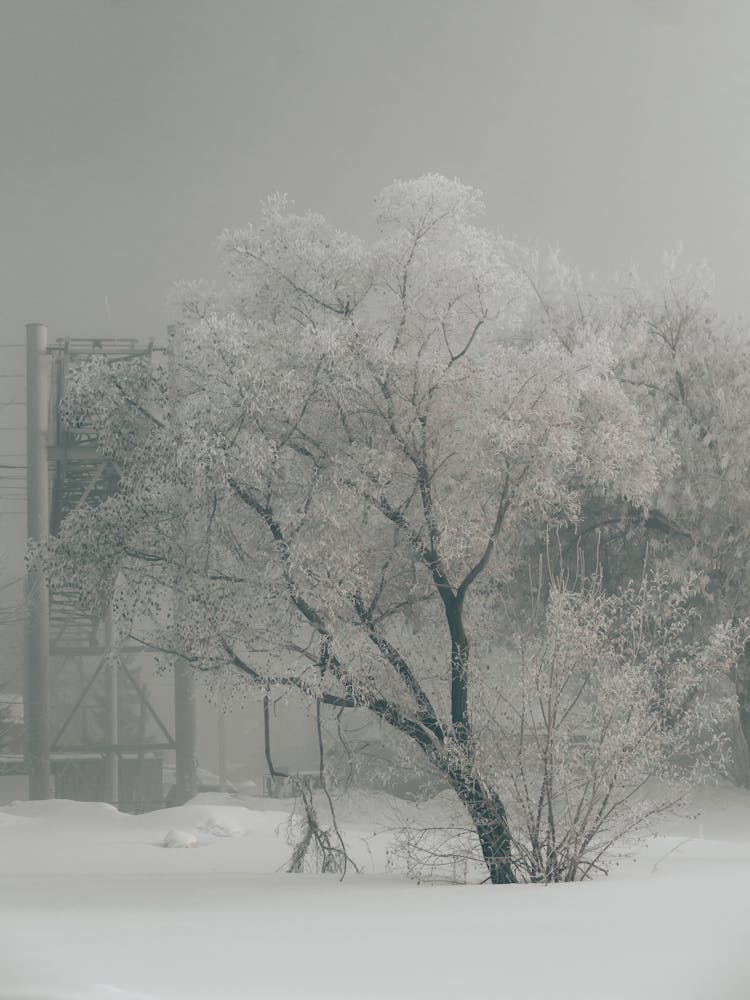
[[66, 465]]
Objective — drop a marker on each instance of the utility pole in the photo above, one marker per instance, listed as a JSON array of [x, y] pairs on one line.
[[112, 716], [36, 692], [186, 762]]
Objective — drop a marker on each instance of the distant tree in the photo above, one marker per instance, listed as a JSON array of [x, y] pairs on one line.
[[12, 617], [689, 372], [343, 468]]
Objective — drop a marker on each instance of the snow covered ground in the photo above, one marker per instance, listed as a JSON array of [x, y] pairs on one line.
[[94, 906]]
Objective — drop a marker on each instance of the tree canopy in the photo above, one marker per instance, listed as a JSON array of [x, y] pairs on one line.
[[341, 467]]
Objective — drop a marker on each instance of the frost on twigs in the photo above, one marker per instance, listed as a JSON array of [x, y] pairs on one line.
[[438, 850], [615, 705], [315, 847]]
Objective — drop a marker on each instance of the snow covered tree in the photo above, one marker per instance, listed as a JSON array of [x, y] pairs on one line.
[[686, 368], [689, 371], [340, 471], [600, 712], [608, 713]]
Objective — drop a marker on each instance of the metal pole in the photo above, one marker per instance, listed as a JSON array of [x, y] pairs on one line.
[[186, 761], [222, 751], [112, 734], [36, 708]]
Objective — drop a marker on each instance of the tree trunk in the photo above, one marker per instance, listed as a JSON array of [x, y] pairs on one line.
[[484, 806], [742, 680], [487, 812]]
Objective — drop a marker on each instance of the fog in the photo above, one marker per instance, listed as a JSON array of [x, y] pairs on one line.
[[602, 134]]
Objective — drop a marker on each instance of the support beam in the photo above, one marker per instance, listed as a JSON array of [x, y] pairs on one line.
[[81, 698], [186, 760], [36, 690]]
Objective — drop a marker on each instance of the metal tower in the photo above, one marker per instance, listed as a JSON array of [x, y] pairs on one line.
[[65, 473]]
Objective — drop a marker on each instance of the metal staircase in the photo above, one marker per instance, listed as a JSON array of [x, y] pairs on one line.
[[78, 477]]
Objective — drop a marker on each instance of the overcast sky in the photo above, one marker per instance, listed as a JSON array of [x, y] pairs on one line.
[[133, 131]]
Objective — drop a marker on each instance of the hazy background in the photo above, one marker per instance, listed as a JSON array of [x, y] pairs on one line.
[[133, 131]]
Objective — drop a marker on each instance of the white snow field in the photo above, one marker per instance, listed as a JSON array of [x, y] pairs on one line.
[[94, 905]]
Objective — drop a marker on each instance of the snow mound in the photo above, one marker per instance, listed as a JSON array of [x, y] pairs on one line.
[[223, 829], [214, 799], [65, 812], [216, 820], [179, 838], [96, 992], [8, 819], [103, 992]]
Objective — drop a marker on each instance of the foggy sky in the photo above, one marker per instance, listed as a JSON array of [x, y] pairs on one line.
[[133, 131]]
